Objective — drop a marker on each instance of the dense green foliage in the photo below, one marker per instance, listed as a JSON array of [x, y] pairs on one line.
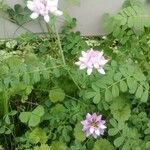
[[42, 100]]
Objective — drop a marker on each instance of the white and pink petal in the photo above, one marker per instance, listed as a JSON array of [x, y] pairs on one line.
[[30, 5], [34, 15], [101, 71], [89, 71], [46, 18]]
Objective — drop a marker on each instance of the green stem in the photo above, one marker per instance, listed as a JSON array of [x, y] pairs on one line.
[[60, 48], [73, 80], [61, 52], [50, 32], [6, 106], [64, 61], [84, 144]]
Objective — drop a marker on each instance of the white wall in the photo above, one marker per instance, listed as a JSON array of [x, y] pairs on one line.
[[88, 14]]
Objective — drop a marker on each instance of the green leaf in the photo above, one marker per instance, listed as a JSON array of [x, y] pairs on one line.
[[117, 76], [144, 97], [24, 117], [78, 133], [113, 131], [116, 31], [120, 109], [36, 75], [113, 122], [95, 87], [139, 76], [26, 78], [147, 131], [128, 3], [97, 98], [148, 145], [126, 146], [123, 71], [103, 144], [34, 120], [119, 141], [36, 115], [19, 15], [108, 95], [105, 105], [56, 95], [114, 63], [45, 74], [123, 86], [90, 95], [115, 91], [11, 44], [39, 110], [13, 112], [2, 129], [58, 111], [130, 82], [8, 131], [101, 84], [139, 92], [7, 81], [134, 87], [38, 135], [18, 8], [7, 119], [58, 146], [42, 147]]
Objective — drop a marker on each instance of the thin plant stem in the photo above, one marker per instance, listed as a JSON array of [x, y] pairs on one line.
[[48, 29], [61, 53], [60, 48], [86, 141], [73, 80], [63, 59]]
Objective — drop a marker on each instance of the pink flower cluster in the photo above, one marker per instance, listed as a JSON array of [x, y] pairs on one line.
[[43, 8], [92, 59], [93, 125]]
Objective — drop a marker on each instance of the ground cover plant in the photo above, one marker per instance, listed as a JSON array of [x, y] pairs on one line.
[[68, 92]]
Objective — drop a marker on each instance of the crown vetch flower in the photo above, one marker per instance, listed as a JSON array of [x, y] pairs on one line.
[[43, 8], [93, 125], [92, 59]]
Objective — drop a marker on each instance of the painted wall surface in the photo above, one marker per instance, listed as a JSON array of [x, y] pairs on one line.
[[88, 14]]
